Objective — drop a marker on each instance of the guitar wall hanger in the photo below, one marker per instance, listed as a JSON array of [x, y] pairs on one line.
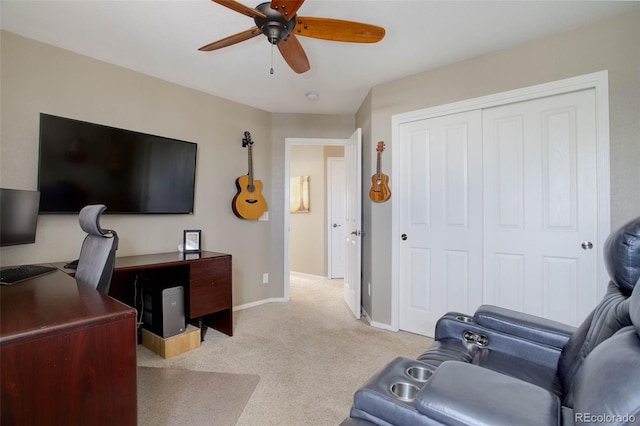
[[248, 202]]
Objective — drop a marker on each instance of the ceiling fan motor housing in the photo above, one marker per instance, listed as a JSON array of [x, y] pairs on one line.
[[274, 26]]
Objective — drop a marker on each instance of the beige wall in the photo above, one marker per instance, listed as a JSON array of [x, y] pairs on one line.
[[611, 45], [35, 77]]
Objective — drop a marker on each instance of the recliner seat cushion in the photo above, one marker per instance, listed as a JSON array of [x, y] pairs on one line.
[[461, 394]]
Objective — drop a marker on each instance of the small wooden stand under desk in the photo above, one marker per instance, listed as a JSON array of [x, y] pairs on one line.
[[206, 277], [68, 355]]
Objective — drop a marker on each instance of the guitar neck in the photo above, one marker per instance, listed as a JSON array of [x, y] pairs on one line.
[[250, 165], [379, 166]]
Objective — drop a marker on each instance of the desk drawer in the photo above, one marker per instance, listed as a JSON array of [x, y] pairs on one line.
[[218, 268], [208, 295]]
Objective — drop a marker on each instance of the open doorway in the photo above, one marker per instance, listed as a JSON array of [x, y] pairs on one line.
[[353, 217], [316, 209]]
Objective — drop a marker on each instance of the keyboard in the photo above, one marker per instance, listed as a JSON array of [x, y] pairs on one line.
[[15, 274]]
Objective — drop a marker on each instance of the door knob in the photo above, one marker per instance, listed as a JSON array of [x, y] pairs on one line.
[[335, 225], [586, 245], [403, 236], [356, 232]]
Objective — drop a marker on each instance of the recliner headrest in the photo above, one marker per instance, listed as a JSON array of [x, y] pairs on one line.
[[634, 309], [622, 255], [89, 218]]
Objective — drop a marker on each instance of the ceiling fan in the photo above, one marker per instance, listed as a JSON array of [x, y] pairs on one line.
[[278, 21]]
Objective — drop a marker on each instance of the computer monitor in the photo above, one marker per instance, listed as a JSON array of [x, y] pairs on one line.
[[18, 216]]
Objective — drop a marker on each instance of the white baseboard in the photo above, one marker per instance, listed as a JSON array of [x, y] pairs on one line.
[[305, 275], [259, 302], [375, 324]]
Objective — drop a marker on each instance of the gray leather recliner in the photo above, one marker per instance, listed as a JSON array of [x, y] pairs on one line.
[[501, 367]]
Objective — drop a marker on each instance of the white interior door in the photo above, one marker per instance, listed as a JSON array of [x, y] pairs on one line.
[[540, 206], [336, 210], [440, 181], [353, 222]]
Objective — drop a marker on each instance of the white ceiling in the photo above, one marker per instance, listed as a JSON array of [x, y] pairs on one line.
[[161, 38]]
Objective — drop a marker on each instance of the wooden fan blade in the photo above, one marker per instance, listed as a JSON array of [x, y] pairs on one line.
[[240, 8], [338, 30], [287, 8], [293, 54], [232, 39]]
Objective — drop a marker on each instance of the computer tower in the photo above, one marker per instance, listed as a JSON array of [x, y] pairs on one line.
[[164, 311]]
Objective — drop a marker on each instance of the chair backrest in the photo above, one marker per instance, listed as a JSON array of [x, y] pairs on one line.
[[98, 252], [607, 384], [622, 259]]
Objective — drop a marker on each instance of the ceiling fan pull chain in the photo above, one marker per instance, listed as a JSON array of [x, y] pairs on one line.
[[271, 70]]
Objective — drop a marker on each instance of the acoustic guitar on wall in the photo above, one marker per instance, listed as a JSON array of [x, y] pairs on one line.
[[379, 191], [248, 203]]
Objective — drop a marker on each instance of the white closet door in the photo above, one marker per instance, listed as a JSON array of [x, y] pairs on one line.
[[540, 206], [440, 220]]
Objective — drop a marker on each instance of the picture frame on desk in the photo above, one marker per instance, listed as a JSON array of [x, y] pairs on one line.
[[192, 240]]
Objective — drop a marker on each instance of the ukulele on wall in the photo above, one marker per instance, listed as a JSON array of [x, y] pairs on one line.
[[248, 202], [379, 191]]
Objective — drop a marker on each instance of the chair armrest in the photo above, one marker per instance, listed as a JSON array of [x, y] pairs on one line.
[[530, 327], [456, 326], [466, 394]]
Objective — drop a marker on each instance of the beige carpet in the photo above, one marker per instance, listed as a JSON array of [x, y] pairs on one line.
[[310, 353], [169, 396]]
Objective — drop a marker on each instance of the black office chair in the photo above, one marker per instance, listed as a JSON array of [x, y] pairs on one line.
[[98, 252]]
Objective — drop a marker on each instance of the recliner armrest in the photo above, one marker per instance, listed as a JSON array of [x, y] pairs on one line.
[[530, 327], [465, 394], [456, 326]]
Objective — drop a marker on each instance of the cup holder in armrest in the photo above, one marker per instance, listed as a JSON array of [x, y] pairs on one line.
[[421, 374], [465, 319], [404, 391]]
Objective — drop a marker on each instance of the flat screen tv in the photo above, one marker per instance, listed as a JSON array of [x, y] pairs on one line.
[[18, 216], [129, 172]]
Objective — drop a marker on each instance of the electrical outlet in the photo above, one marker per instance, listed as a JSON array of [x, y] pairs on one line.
[[265, 278], [369, 289]]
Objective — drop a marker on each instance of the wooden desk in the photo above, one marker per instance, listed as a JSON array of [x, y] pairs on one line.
[[206, 277], [68, 355]]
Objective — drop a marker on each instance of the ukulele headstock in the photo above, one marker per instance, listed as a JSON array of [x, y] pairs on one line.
[[380, 147], [246, 140]]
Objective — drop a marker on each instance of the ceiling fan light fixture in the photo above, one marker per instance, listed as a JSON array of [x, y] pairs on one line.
[[312, 96], [273, 33], [273, 25]]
